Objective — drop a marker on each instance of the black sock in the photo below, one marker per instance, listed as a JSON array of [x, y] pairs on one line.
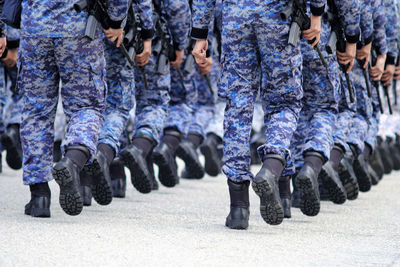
[[336, 156], [40, 190], [108, 151], [195, 139], [315, 162], [284, 188], [144, 144], [172, 140], [77, 156], [367, 152], [274, 165]]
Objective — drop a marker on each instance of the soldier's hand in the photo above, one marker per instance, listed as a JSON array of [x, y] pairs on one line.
[[179, 58], [205, 67], [364, 53], [114, 35], [376, 71], [396, 73], [200, 51], [3, 44], [314, 32], [143, 58], [348, 56], [11, 59], [387, 76]]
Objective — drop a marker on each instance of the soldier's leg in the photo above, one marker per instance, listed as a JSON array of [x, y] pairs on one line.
[[38, 83], [119, 101], [151, 111], [81, 65], [281, 99]]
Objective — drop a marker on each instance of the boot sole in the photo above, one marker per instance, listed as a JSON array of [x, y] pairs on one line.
[[165, 173], [70, 199], [270, 208], [193, 168], [211, 167], [140, 181], [351, 186], [309, 202], [12, 157], [336, 194], [101, 190]]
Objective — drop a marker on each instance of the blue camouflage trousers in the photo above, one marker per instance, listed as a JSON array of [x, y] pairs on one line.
[[255, 55], [80, 64], [120, 96], [151, 103]]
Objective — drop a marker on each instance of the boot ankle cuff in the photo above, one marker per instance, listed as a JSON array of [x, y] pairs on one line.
[[275, 156]]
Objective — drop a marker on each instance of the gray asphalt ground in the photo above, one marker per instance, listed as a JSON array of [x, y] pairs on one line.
[[184, 226]]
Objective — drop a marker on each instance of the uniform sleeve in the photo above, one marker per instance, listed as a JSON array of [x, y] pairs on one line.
[[349, 13], [392, 31], [203, 11], [13, 36], [366, 22], [178, 12], [317, 7], [379, 21], [145, 10], [117, 10]]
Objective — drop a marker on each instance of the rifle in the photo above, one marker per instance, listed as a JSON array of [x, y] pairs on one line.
[[376, 83], [337, 42], [394, 88], [386, 92], [365, 72], [300, 22], [134, 42], [164, 48]]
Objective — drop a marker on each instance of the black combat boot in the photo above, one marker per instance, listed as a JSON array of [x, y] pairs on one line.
[[86, 193], [12, 143], [385, 155], [331, 181], [212, 160], [284, 193], [135, 159], [362, 173], [151, 170], [238, 217], [99, 170], [323, 192], [376, 163], [394, 153], [348, 177], [167, 168], [66, 174], [188, 153], [296, 193], [257, 139], [39, 205], [118, 178], [86, 182], [266, 186], [307, 183]]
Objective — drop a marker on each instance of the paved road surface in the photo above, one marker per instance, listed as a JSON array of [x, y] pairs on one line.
[[184, 226]]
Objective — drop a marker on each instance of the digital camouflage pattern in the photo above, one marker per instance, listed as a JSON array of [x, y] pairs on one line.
[[80, 65]]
